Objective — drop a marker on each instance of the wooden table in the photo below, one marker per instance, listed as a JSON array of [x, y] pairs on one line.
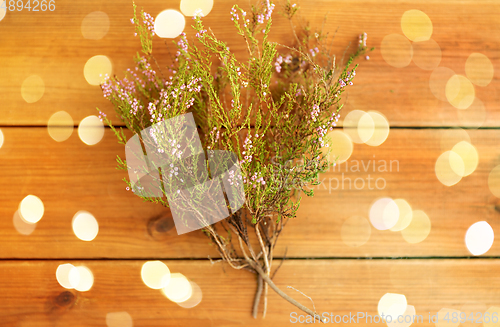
[[70, 176]]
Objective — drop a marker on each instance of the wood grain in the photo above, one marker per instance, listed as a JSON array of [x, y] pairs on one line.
[[50, 44], [71, 176], [32, 295]]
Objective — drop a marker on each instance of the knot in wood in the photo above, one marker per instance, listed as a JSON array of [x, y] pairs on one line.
[[65, 298]]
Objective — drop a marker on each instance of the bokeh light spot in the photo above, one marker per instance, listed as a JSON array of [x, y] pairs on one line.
[[63, 275], [340, 146], [169, 24], [426, 54], [392, 304], [155, 274], [444, 173], [119, 319], [85, 226], [405, 215], [366, 127], [91, 130], [195, 298], [460, 92], [86, 280], [438, 80], [355, 231], [1, 138], [384, 213], [479, 238], [469, 156], [381, 129], [74, 277], [32, 89], [60, 126], [492, 312], [406, 320], [494, 181], [3, 9], [418, 229], [179, 289], [97, 69], [350, 125], [196, 7], [23, 227], [457, 164], [95, 25], [479, 69], [31, 209], [396, 50], [416, 25]]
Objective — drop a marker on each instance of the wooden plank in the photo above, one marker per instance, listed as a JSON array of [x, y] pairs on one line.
[[33, 297], [50, 45], [71, 176], [412, 154]]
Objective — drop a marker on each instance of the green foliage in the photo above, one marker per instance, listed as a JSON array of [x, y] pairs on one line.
[[273, 110]]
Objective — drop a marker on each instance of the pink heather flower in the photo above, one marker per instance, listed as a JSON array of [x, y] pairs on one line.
[[314, 51], [315, 112], [234, 14], [106, 88], [270, 8], [201, 33], [277, 64], [367, 57], [183, 43], [362, 39], [148, 21]]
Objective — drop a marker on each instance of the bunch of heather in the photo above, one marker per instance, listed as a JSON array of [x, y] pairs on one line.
[[273, 110]]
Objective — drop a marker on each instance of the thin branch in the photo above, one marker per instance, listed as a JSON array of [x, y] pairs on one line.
[[266, 262], [314, 308], [286, 296], [258, 294], [281, 263]]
